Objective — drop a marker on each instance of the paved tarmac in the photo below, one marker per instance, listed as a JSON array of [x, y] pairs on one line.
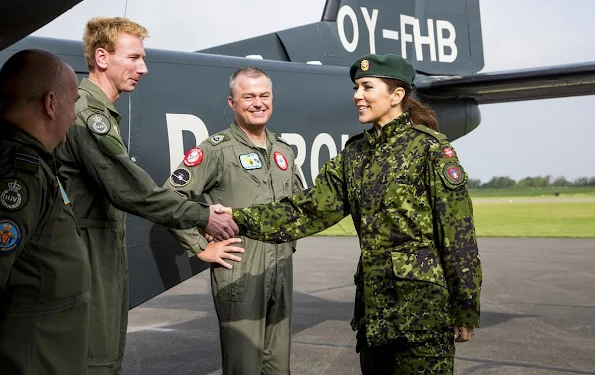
[[538, 314]]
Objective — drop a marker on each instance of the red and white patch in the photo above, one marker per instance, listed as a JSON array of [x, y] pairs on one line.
[[448, 152], [193, 157], [280, 160]]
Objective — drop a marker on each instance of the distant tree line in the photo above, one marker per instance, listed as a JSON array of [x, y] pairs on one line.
[[530, 182]]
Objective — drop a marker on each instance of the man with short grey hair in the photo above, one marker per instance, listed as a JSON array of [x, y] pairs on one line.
[[243, 165]]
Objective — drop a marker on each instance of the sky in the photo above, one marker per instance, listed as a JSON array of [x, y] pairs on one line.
[[531, 138]]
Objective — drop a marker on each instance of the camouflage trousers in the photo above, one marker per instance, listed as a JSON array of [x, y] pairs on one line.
[[404, 359]]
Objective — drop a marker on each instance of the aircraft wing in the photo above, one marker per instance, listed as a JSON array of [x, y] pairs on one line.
[[498, 87], [20, 18]]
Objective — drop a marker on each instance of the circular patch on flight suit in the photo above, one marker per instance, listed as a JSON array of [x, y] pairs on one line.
[[193, 157], [180, 177], [453, 173], [13, 194], [99, 124], [280, 160], [10, 235]]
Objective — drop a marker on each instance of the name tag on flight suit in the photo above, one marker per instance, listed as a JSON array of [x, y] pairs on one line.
[[250, 161]]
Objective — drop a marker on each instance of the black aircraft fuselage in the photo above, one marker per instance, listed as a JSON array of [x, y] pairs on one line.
[[183, 98]]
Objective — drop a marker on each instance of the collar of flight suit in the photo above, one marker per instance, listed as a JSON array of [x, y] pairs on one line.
[[96, 92], [241, 136], [389, 130], [19, 135]]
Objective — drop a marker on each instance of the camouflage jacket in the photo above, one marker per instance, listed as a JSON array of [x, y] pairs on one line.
[[419, 271]]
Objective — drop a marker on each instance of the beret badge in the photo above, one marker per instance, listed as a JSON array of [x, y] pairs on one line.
[[365, 65]]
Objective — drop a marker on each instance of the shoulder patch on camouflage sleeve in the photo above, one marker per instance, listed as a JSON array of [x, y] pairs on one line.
[[98, 123], [13, 194], [218, 138], [10, 235], [453, 175], [434, 133], [354, 138]]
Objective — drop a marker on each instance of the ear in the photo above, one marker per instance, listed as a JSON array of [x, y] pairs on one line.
[[398, 96], [230, 102], [50, 104], [101, 58]]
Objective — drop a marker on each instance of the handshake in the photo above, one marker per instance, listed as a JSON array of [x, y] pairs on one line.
[[221, 225], [222, 228]]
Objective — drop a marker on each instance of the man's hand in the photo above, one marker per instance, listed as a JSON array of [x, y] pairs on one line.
[[217, 251], [463, 334], [220, 226], [224, 210]]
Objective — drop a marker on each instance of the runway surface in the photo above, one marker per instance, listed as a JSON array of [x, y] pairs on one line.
[[538, 314]]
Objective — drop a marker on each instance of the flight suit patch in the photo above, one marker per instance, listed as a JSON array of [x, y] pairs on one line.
[[10, 235], [13, 194], [193, 157], [250, 161], [216, 139], [453, 173], [180, 177], [280, 160], [448, 152], [99, 124]]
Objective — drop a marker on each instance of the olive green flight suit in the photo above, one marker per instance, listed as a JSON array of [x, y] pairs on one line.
[[254, 299], [44, 268], [102, 182]]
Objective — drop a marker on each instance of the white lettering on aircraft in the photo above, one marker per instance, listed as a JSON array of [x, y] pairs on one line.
[[440, 39], [346, 11], [178, 123]]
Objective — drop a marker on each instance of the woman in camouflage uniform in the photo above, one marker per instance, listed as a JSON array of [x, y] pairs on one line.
[[419, 274]]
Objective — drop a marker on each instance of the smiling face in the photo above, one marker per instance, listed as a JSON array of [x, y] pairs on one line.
[[126, 65], [375, 104], [252, 101]]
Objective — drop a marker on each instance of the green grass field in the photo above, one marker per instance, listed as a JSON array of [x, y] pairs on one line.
[[533, 192], [573, 218]]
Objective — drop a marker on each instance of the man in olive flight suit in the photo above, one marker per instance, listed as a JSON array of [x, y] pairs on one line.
[[44, 267], [240, 166], [103, 183]]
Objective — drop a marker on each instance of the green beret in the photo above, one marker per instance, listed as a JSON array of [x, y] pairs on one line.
[[383, 66]]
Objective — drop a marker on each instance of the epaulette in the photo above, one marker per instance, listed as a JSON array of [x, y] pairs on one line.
[[218, 138], [436, 134], [26, 159], [94, 103], [281, 139], [354, 138]]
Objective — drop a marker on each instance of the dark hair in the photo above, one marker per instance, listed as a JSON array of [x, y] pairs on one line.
[[28, 75], [420, 113]]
